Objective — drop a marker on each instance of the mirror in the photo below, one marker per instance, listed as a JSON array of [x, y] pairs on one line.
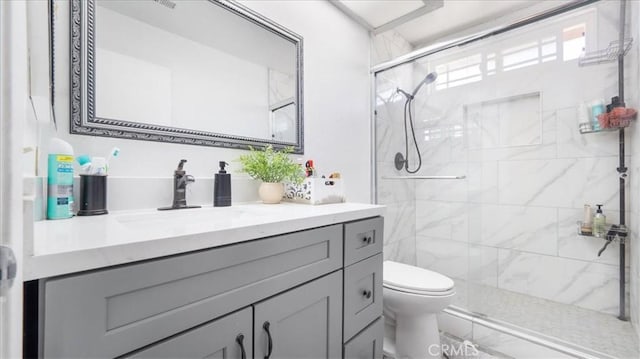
[[202, 72]]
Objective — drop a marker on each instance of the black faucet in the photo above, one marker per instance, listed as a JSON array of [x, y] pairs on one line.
[[180, 181]]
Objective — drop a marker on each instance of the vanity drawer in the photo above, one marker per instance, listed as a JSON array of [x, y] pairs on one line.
[[362, 239], [112, 312], [362, 294], [368, 343]]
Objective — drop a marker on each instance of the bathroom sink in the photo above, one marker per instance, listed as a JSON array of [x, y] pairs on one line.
[[170, 219], [198, 220], [194, 219]]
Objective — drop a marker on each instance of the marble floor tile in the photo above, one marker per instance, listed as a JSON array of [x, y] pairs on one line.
[[510, 345], [596, 331]]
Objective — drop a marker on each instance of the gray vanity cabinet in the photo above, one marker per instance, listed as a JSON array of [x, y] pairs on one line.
[[197, 304], [305, 322]]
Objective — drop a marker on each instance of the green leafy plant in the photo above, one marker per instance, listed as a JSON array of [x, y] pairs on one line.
[[270, 165]]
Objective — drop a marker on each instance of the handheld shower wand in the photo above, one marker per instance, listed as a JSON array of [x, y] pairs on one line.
[[402, 161], [427, 80]]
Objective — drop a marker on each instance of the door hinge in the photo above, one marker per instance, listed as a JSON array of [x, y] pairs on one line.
[[8, 269]]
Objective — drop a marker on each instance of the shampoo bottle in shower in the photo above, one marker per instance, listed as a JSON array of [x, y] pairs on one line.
[[599, 222]]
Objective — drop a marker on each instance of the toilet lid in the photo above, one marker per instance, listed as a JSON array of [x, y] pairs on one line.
[[406, 277]]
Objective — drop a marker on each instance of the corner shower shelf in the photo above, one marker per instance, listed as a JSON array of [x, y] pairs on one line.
[[616, 51], [609, 54], [610, 122]]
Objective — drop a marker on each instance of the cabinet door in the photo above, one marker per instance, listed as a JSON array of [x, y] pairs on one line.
[[305, 322], [229, 337], [108, 313], [367, 344]]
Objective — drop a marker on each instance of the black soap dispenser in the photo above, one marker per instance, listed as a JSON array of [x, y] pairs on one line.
[[222, 187]]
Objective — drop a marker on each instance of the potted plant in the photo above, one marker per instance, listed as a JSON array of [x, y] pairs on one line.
[[272, 167]]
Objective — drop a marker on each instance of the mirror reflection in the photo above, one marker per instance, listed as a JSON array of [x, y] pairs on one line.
[[211, 68]]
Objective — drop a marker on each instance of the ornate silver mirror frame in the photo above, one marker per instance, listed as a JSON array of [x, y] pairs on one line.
[[83, 116]]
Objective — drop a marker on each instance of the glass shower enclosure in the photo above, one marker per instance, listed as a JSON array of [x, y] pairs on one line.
[[505, 175]]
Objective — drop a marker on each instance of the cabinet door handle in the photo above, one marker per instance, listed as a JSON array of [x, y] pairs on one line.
[[239, 340], [266, 326], [367, 239], [366, 293]]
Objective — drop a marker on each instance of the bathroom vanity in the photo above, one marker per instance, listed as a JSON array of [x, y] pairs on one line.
[[301, 281]]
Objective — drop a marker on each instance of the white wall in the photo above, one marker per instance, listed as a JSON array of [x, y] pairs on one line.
[[13, 116], [336, 101]]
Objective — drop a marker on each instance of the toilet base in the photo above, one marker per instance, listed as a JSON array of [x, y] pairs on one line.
[[416, 337]]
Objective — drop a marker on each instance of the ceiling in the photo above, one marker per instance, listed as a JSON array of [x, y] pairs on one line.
[[424, 21]]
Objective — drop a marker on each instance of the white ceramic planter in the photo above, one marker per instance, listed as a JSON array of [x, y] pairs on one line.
[[271, 193]]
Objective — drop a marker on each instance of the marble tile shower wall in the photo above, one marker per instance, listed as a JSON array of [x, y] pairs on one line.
[[398, 195], [511, 223]]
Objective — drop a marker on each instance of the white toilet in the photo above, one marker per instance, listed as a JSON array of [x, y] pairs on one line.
[[412, 297]]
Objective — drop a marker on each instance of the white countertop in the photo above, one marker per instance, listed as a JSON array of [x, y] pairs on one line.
[[84, 243]]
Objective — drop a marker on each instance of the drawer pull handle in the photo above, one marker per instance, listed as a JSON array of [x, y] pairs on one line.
[[239, 340], [366, 294], [367, 239], [266, 326]]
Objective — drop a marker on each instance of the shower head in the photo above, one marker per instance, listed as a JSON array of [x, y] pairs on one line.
[[427, 80]]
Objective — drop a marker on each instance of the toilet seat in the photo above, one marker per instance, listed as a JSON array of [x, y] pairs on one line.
[[421, 292], [409, 279]]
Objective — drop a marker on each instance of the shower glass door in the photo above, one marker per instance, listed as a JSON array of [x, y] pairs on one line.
[[504, 112]]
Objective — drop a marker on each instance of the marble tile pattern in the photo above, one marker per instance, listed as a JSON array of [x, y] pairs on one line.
[[584, 328], [387, 46], [510, 345], [511, 223]]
